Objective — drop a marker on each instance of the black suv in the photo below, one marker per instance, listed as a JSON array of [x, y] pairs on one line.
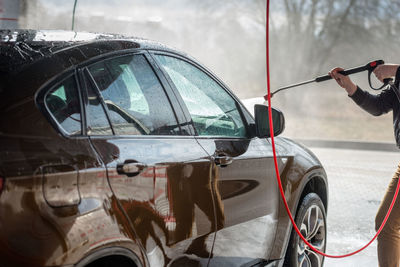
[[120, 151]]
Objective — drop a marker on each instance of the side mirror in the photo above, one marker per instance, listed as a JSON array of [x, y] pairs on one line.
[[262, 121]]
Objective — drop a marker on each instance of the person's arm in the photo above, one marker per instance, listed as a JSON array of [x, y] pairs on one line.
[[373, 104]]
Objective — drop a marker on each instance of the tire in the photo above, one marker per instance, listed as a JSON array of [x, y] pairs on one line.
[[311, 221], [112, 261]]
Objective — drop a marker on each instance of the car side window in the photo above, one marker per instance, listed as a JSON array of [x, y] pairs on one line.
[[63, 103], [134, 98], [213, 110]]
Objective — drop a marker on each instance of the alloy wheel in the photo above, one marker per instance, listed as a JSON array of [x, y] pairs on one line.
[[313, 229]]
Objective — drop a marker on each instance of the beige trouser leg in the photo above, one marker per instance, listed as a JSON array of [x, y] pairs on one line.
[[389, 239]]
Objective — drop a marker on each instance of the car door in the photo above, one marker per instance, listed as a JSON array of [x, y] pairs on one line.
[[245, 187], [156, 168]]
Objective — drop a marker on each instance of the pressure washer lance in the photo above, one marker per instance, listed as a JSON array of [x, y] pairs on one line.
[[369, 67]]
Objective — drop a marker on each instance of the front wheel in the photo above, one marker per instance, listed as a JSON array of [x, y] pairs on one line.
[[311, 221]]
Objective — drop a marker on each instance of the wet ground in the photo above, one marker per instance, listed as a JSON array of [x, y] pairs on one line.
[[357, 183]]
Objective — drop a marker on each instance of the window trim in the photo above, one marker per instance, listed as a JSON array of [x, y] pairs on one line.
[[238, 104], [87, 75]]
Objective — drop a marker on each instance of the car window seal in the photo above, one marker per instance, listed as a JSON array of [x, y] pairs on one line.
[[78, 81], [99, 95], [143, 137]]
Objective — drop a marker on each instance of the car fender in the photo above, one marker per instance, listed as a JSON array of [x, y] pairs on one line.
[[302, 171]]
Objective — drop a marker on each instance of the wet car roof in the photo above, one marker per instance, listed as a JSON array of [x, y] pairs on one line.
[[29, 58], [23, 47]]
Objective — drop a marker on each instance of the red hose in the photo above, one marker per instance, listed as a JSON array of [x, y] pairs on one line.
[[279, 178]]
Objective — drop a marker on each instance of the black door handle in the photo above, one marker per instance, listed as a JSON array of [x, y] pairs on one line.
[[130, 168], [223, 160]]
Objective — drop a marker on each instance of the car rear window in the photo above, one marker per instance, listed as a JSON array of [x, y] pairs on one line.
[[63, 103]]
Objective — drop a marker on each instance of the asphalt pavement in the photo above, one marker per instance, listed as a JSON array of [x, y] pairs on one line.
[[357, 182]]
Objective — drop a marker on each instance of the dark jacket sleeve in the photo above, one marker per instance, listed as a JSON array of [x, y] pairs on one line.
[[375, 104]]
